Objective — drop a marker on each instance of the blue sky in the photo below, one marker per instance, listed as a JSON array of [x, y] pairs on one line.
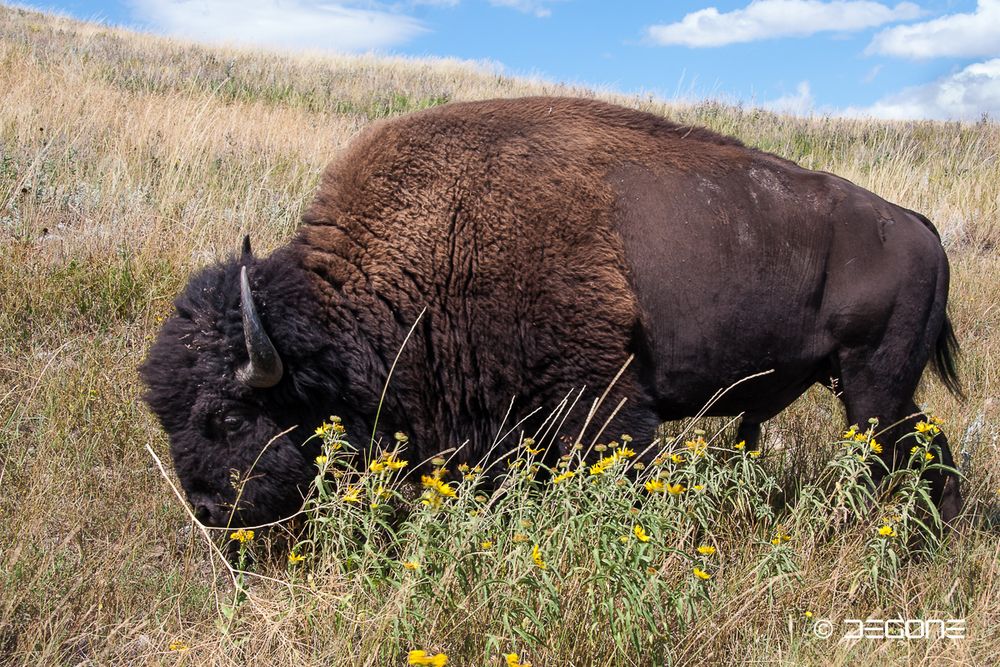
[[912, 59]]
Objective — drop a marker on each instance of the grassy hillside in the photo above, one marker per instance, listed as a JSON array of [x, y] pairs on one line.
[[128, 161]]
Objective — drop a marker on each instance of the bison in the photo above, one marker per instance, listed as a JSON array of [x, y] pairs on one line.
[[546, 241]]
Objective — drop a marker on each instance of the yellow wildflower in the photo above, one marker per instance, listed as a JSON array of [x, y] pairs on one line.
[[394, 463], [887, 531], [808, 614], [536, 556], [640, 533], [625, 453], [425, 658], [514, 660], [706, 550], [936, 420], [353, 495], [876, 447], [701, 574], [924, 427], [698, 447], [780, 536], [654, 486], [321, 460], [323, 429], [623, 539], [851, 432], [411, 564], [178, 646], [377, 466], [740, 445], [242, 536], [294, 558], [697, 487], [914, 450], [677, 458], [486, 545], [675, 489], [928, 456], [755, 454], [563, 477], [446, 490]]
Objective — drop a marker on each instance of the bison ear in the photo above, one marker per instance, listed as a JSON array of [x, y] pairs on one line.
[[247, 252], [264, 368]]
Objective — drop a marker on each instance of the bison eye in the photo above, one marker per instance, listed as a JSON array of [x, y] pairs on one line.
[[220, 425], [232, 423]]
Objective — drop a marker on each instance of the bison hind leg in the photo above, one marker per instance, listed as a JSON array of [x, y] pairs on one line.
[[877, 386]]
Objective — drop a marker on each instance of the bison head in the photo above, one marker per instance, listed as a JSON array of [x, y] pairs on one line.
[[218, 384]]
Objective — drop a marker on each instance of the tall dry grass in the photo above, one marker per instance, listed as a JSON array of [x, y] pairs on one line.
[[126, 161]]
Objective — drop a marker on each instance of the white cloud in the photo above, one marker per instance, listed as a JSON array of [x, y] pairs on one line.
[[960, 35], [536, 7], [295, 24], [766, 19], [799, 103], [964, 95]]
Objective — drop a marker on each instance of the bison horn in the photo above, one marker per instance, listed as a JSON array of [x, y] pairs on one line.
[[264, 368]]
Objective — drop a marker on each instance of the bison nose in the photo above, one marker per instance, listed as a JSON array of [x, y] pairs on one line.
[[204, 508], [202, 513]]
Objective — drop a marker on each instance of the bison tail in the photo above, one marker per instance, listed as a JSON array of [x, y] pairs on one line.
[[945, 357]]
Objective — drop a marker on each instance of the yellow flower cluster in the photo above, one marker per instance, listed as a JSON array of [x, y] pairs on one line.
[[780, 536], [676, 489], [654, 486], [887, 531], [706, 550], [386, 462], [701, 574], [929, 427], [563, 477], [437, 490], [698, 446], [178, 646], [294, 558], [620, 454], [640, 533], [242, 536], [425, 658]]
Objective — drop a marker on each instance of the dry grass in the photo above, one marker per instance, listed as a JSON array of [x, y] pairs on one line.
[[127, 161]]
